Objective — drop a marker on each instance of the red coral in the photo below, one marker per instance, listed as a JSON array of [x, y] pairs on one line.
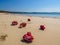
[[42, 27], [28, 37], [23, 24], [14, 22]]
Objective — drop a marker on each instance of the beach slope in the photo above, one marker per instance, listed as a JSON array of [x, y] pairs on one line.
[[50, 36]]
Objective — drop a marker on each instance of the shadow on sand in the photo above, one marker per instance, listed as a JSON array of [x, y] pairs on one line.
[[25, 41]]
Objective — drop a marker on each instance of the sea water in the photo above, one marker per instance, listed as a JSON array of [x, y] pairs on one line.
[[41, 14], [44, 15]]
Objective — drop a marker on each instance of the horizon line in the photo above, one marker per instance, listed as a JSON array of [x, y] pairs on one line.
[[25, 11]]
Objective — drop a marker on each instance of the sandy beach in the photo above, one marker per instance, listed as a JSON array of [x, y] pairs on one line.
[[50, 36]]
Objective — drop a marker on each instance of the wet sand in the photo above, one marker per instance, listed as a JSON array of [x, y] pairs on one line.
[[50, 36]]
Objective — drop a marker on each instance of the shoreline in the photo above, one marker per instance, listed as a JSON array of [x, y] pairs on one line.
[[32, 15]]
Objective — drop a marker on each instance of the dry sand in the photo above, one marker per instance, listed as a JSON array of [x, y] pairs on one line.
[[50, 36]]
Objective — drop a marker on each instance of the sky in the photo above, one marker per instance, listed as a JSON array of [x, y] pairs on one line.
[[30, 5]]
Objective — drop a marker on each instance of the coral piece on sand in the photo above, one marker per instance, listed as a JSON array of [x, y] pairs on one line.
[[28, 37], [29, 19], [42, 27], [14, 22], [3, 36], [23, 24]]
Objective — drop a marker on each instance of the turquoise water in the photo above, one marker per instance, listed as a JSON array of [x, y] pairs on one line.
[[44, 15]]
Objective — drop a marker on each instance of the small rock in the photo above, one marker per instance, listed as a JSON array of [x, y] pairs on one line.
[[29, 19]]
